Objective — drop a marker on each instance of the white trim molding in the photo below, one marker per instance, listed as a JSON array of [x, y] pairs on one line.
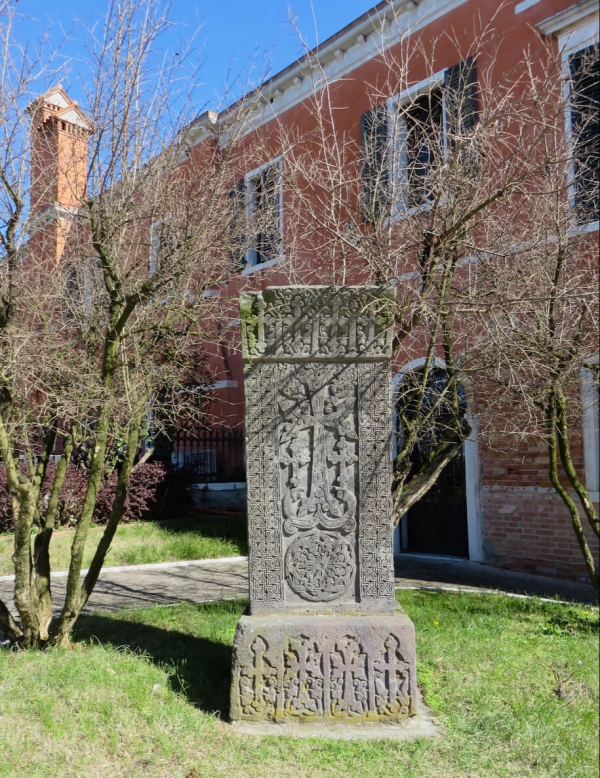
[[361, 41], [591, 431], [574, 16], [524, 5], [51, 214]]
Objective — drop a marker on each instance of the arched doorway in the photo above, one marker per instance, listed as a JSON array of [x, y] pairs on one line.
[[439, 523]]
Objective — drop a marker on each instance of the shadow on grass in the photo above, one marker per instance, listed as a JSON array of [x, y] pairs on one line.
[[198, 668], [233, 528]]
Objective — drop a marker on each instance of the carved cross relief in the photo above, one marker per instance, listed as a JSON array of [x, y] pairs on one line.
[[317, 396]]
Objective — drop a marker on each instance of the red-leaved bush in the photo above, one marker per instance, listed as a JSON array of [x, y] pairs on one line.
[[141, 499]]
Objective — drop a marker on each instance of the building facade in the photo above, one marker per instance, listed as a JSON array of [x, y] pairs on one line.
[[390, 79]]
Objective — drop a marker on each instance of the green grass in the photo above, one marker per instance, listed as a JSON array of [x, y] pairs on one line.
[[144, 542], [514, 683]]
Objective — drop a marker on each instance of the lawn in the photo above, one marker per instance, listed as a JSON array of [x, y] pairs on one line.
[[514, 683], [143, 542]]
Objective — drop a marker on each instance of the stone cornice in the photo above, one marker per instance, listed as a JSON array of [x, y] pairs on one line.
[[362, 40], [585, 10]]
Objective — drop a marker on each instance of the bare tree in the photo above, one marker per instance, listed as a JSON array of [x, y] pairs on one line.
[[434, 185], [105, 336], [536, 347]]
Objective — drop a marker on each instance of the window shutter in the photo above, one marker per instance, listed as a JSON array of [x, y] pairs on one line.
[[271, 232], [585, 130], [460, 96], [237, 224], [375, 165]]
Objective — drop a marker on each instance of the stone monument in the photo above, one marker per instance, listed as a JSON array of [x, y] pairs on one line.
[[324, 639]]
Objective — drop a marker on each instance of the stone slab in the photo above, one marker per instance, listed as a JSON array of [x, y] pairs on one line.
[[318, 445], [326, 668]]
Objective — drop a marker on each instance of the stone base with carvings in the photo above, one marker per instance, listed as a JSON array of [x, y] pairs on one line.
[[334, 668]]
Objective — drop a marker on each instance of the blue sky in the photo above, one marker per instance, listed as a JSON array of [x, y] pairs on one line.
[[232, 34]]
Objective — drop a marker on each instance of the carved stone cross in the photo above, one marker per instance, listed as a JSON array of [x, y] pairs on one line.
[[323, 636]]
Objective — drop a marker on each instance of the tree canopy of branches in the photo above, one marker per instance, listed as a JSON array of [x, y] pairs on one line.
[[450, 194], [107, 339]]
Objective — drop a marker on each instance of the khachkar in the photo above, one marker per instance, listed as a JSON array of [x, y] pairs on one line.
[[324, 639]]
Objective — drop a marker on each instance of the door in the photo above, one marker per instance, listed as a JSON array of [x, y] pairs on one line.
[[437, 524]]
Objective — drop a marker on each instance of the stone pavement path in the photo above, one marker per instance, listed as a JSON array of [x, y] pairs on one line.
[[208, 580], [159, 584]]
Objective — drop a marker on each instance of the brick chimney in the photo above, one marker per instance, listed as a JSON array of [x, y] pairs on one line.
[[59, 152]]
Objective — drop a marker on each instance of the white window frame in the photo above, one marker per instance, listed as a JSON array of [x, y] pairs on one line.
[[397, 148], [570, 43], [251, 254], [591, 432]]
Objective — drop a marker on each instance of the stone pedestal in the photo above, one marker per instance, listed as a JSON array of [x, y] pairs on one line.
[[358, 668], [324, 639]]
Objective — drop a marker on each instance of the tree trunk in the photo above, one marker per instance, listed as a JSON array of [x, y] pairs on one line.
[[9, 629], [405, 495], [41, 548], [553, 436], [61, 629]]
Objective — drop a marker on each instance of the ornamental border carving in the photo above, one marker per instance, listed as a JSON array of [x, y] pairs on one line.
[[262, 472], [375, 482], [317, 323]]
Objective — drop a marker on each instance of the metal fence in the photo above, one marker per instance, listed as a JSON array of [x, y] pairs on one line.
[[212, 454]]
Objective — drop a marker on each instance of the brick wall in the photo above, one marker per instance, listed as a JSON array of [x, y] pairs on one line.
[[526, 526]]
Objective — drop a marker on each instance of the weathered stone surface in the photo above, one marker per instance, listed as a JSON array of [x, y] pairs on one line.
[[318, 450], [318, 437], [358, 668], [322, 323]]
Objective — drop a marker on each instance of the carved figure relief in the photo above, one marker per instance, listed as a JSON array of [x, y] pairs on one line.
[[303, 678], [318, 447], [319, 567], [258, 682], [348, 678], [392, 680]]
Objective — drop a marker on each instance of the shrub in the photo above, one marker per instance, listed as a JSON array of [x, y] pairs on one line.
[[142, 498]]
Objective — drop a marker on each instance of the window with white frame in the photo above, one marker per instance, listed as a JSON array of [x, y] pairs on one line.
[[582, 71], [591, 432], [576, 28], [405, 140], [82, 281], [256, 217]]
